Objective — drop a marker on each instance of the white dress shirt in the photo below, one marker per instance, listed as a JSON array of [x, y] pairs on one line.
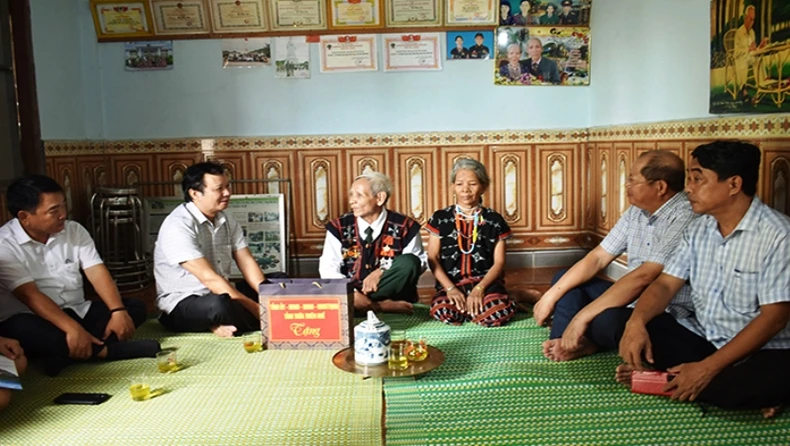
[[331, 261], [54, 266]]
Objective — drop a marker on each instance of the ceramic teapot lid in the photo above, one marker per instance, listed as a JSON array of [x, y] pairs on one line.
[[372, 323]]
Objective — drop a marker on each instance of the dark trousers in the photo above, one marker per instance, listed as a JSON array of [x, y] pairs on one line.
[[41, 339], [573, 301], [756, 382], [202, 313], [399, 282]]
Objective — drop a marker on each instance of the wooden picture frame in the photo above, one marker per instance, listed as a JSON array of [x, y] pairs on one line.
[[121, 19], [413, 13], [180, 17], [355, 14], [238, 16], [472, 12], [285, 14]]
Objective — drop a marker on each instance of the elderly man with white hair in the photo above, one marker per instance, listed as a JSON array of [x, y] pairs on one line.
[[379, 250]]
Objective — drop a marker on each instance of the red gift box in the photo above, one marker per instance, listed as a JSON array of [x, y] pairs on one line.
[[650, 382]]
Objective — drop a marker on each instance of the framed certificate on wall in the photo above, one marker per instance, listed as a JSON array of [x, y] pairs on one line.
[[298, 14], [238, 16], [346, 14], [471, 12], [180, 17], [113, 18], [413, 13]]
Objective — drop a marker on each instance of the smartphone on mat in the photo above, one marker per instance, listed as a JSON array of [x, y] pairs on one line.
[[82, 398]]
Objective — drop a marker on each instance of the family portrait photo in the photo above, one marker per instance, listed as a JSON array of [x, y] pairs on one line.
[[542, 56], [543, 13]]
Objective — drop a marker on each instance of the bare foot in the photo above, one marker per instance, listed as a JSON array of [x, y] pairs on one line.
[[224, 331], [771, 412], [560, 354], [548, 346], [363, 304], [622, 374], [396, 306]]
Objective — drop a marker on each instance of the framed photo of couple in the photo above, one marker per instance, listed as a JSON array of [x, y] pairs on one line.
[[542, 56]]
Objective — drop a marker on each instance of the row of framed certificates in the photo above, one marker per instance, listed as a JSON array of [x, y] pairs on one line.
[[148, 18]]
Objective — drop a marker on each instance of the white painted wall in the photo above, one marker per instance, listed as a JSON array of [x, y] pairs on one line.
[[649, 63]]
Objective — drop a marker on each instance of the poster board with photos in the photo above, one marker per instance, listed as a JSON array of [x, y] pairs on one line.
[[262, 218], [542, 56]]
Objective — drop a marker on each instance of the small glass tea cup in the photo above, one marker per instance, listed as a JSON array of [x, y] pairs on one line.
[[166, 361], [139, 389], [417, 351], [252, 343], [397, 359]]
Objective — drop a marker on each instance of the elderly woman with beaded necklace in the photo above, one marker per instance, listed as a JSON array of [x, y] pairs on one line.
[[466, 253]]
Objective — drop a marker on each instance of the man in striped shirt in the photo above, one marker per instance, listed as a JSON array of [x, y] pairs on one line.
[[648, 232], [736, 257]]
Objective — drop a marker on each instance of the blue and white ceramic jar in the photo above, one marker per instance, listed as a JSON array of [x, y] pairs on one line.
[[371, 341]]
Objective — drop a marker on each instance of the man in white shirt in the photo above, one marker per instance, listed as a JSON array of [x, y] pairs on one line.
[[42, 301], [380, 251], [192, 261]]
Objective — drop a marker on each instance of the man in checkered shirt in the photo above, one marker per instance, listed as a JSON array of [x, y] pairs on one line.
[[192, 261], [648, 231], [737, 259]]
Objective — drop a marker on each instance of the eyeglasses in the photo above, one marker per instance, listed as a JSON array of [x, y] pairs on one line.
[[631, 182]]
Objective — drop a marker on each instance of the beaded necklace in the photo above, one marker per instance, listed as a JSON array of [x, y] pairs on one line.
[[475, 217]]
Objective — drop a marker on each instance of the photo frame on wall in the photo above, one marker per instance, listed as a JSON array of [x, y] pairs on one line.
[[410, 13], [542, 56], [180, 17], [749, 57], [471, 12], [543, 13], [350, 14], [121, 19], [298, 14], [464, 44], [238, 16]]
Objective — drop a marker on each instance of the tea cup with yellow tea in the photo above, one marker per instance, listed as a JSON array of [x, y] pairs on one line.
[[166, 361], [397, 359], [417, 351], [139, 389], [253, 343]]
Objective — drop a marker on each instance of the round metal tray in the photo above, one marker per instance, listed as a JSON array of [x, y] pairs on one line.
[[344, 360]]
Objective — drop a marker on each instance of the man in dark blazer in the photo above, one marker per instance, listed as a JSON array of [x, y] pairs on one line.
[[543, 68]]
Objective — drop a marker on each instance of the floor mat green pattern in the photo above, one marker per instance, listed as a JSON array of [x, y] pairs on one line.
[[496, 388]]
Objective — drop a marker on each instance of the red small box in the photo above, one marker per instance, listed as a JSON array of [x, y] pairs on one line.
[[650, 382]]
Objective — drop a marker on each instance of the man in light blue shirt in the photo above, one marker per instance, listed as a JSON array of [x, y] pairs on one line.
[[737, 259], [649, 231]]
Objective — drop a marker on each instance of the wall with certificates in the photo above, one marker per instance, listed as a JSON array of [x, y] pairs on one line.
[[116, 20]]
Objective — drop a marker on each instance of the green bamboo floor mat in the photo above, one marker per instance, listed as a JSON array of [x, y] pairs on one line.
[[496, 388], [224, 396]]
